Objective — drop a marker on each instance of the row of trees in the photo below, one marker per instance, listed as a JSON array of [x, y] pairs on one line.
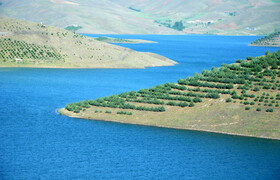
[[243, 73], [266, 40], [12, 49]]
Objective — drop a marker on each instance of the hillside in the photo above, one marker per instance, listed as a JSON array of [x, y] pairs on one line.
[[243, 17], [26, 44], [240, 98], [272, 40]]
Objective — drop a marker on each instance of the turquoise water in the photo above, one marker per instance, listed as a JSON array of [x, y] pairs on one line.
[[37, 143]]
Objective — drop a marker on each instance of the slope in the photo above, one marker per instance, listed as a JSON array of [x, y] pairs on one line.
[[241, 98], [96, 17], [242, 17], [211, 16], [27, 44]]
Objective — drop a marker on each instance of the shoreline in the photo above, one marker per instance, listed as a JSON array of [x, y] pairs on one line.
[[169, 127], [264, 45], [74, 67]]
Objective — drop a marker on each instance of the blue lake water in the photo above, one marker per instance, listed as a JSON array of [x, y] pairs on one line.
[[37, 143]]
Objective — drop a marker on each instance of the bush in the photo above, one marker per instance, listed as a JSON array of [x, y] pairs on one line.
[[229, 100], [121, 112], [191, 104], [252, 103], [269, 110], [256, 88], [249, 58], [76, 111], [247, 108], [246, 103], [109, 112], [258, 109]]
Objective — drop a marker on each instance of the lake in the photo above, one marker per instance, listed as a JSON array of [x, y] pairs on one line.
[[38, 143]]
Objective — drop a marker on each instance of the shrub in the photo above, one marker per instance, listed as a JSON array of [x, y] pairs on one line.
[[246, 103], [247, 108], [249, 58], [76, 111], [258, 109], [256, 88], [121, 112], [252, 103], [229, 100], [109, 112], [269, 110]]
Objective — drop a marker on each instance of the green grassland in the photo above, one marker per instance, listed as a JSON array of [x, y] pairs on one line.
[[240, 98], [27, 44], [272, 40]]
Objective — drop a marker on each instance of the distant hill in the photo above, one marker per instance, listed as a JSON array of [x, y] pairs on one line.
[[27, 44], [242, 17], [270, 40]]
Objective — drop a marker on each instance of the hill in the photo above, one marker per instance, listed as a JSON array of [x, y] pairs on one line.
[[243, 17], [27, 44], [272, 40], [241, 98]]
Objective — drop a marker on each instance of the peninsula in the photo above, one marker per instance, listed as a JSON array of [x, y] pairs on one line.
[[122, 41], [240, 99], [271, 40], [27, 44]]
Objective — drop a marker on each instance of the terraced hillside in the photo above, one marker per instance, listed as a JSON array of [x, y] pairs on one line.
[[240, 98], [269, 40], [26, 44], [231, 17]]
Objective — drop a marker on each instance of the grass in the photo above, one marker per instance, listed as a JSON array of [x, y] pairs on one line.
[[219, 104]]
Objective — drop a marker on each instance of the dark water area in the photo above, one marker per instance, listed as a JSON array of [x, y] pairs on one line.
[[38, 143]]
